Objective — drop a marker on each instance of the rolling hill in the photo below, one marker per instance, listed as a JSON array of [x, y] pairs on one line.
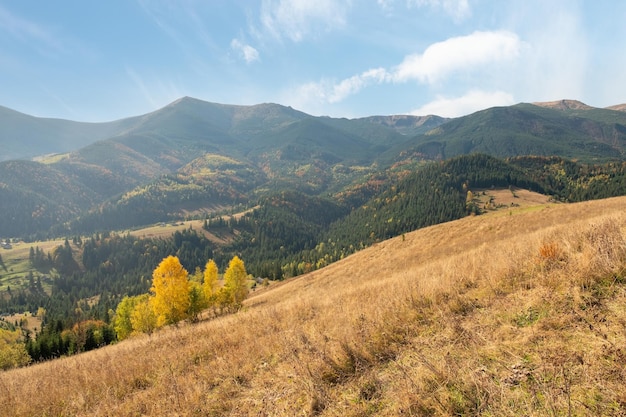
[[519, 312]]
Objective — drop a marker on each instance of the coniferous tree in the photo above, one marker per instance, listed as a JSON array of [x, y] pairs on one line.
[[197, 301]]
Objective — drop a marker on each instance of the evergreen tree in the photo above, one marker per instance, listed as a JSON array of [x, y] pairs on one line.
[[197, 301]]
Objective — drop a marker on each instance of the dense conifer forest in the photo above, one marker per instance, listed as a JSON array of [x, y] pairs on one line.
[[287, 233]]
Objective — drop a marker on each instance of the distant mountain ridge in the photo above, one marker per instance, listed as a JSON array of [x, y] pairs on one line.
[[25, 137], [261, 149], [564, 105], [565, 128]]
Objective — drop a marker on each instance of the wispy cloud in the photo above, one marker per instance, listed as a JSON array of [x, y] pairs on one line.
[[439, 61], [457, 9], [38, 37], [155, 91], [247, 52], [354, 84], [558, 64], [183, 23], [59, 100], [472, 101], [298, 19], [141, 85]]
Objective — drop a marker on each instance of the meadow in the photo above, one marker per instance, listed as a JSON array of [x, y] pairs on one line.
[[520, 312]]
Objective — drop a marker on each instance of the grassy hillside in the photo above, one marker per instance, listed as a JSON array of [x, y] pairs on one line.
[[519, 312]]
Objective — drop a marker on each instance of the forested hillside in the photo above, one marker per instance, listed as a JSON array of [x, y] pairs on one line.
[[301, 233], [307, 192], [591, 135], [287, 233], [264, 149]]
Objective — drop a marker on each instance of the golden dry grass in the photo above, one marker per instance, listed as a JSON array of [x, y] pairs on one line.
[[516, 313]]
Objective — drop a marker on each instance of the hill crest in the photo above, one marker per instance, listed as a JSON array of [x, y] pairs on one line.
[[618, 107], [564, 104]]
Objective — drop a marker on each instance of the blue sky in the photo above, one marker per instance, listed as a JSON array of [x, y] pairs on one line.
[[105, 60]]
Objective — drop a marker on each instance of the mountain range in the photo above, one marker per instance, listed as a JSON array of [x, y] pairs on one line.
[[215, 155]]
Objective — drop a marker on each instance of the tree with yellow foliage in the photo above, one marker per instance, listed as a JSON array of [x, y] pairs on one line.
[[13, 352], [235, 283], [122, 323], [210, 285], [142, 317], [170, 289]]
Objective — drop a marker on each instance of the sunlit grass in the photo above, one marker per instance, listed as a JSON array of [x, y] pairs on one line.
[[517, 315]]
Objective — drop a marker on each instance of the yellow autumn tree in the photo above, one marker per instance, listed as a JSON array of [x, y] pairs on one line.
[[13, 352], [235, 283], [122, 323], [210, 285], [143, 318], [170, 289]]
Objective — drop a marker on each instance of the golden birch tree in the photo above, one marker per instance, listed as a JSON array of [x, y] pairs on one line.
[[142, 317], [210, 285], [235, 283], [122, 324], [170, 289], [13, 352]]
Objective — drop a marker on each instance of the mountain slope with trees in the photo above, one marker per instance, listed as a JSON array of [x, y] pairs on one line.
[[310, 191], [525, 129], [516, 314], [284, 149]]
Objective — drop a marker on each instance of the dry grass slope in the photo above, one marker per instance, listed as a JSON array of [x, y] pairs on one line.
[[516, 313]]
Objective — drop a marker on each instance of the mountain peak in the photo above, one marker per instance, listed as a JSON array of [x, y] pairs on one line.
[[185, 100], [564, 105]]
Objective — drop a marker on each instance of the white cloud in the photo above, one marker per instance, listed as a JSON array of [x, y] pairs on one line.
[[461, 53], [457, 9], [355, 83], [297, 19], [247, 52], [312, 94], [477, 52], [471, 102]]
